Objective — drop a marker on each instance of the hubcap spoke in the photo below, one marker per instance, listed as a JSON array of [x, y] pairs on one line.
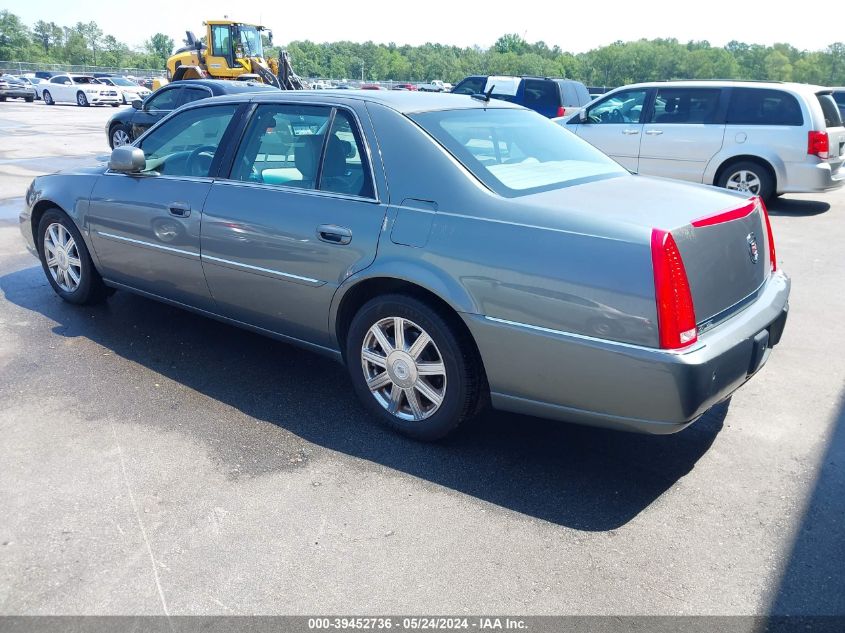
[[74, 261], [395, 398], [385, 345], [399, 332], [74, 277], [419, 345], [379, 381], [431, 369], [376, 359], [428, 391], [414, 404]]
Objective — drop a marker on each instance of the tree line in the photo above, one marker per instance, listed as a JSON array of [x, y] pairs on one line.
[[612, 65]]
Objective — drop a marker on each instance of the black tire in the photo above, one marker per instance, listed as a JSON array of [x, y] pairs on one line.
[[2, 99], [82, 100], [91, 288], [766, 189], [114, 105], [29, 99], [116, 130], [464, 375], [48, 98]]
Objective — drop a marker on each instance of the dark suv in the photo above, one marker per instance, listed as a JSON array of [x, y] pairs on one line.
[[549, 97], [129, 123]]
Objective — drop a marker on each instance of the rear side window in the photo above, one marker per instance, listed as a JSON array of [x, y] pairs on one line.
[[470, 86], [839, 97], [195, 94], [541, 94], [830, 110], [758, 106], [686, 105]]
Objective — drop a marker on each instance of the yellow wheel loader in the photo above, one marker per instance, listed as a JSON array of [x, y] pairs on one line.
[[232, 50]]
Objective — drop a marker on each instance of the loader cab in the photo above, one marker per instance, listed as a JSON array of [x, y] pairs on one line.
[[228, 44]]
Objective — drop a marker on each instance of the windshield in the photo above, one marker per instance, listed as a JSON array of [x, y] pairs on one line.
[[517, 152], [250, 40], [122, 81], [85, 80]]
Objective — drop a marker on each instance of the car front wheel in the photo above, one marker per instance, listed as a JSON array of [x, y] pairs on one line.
[[48, 98], [412, 368], [81, 99], [66, 261], [119, 136]]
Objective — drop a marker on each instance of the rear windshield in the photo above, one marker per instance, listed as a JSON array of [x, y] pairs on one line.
[[830, 110], [839, 97], [517, 152], [760, 106]]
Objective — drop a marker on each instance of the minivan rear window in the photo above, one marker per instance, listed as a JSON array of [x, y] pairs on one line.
[[829, 109], [761, 106], [540, 93]]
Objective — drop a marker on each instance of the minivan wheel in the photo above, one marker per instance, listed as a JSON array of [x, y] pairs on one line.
[[66, 261], [748, 177], [411, 368]]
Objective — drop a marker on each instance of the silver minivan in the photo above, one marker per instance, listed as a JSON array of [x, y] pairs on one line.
[[762, 138]]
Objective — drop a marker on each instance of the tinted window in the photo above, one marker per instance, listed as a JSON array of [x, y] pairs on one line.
[[685, 105], [541, 94], [345, 167], [757, 106], [839, 97], [185, 144], [165, 100], [830, 111], [282, 146], [194, 94], [470, 86], [515, 152], [622, 107], [221, 44]]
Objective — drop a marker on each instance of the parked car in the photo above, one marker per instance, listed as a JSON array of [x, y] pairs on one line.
[[410, 87], [371, 87], [839, 97], [435, 86], [128, 124], [83, 90], [129, 90], [534, 273], [45, 74], [549, 97], [37, 84], [759, 138], [15, 88]]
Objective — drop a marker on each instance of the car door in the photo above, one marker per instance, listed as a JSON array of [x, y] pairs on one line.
[[60, 88], [614, 125], [145, 227], [156, 107], [297, 216], [684, 130]]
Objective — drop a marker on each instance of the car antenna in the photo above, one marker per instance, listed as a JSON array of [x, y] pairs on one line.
[[484, 96]]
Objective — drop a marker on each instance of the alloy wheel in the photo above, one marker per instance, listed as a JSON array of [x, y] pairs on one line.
[[744, 181], [62, 256], [119, 138], [403, 368]]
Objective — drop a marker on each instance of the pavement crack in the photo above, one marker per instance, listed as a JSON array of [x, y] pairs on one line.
[[140, 524]]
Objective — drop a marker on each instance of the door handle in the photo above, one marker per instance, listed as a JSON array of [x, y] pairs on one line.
[[334, 234], [180, 209], [629, 132], [654, 132]]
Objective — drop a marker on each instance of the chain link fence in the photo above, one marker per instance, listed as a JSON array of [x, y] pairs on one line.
[[19, 68]]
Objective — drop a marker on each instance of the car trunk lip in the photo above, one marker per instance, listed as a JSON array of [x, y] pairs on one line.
[[734, 213]]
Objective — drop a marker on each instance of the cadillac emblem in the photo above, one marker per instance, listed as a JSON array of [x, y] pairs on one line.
[[753, 251]]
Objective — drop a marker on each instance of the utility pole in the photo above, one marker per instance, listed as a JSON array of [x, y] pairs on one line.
[[362, 70]]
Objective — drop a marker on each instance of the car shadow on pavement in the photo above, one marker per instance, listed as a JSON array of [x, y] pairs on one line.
[[793, 207], [578, 477]]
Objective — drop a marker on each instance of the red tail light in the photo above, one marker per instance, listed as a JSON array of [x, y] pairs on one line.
[[561, 111], [769, 237], [675, 311], [818, 144]]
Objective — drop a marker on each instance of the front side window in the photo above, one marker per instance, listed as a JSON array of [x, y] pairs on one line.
[[622, 107], [195, 94], [221, 44], [165, 100], [760, 106], [185, 144], [517, 152], [686, 105]]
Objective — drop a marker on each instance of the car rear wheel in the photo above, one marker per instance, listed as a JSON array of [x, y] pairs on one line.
[[748, 177], [66, 261], [411, 368], [48, 98], [119, 136], [81, 99]]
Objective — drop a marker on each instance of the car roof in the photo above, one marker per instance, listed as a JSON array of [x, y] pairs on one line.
[[731, 83], [406, 102], [224, 87]]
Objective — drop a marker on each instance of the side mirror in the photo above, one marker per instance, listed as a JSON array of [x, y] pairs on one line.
[[270, 37], [127, 160], [582, 116], [137, 104]]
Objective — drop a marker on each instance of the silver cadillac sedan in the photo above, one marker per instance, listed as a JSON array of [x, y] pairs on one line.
[[453, 252]]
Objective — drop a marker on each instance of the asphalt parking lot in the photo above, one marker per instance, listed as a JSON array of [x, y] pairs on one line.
[[153, 461]]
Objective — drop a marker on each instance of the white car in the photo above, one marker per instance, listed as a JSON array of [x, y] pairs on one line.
[[83, 90], [435, 86], [764, 139], [130, 91]]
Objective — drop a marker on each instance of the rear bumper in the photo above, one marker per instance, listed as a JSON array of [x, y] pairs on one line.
[[16, 93], [542, 372], [812, 178]]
